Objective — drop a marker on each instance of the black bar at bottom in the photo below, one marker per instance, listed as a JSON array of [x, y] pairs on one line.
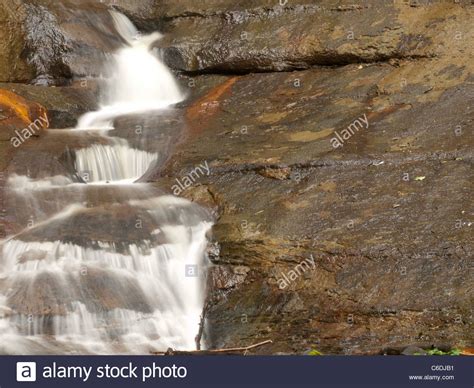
[[236, 371]]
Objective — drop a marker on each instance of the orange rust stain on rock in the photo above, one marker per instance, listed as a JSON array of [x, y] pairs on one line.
[[204, 108], [24, 110]]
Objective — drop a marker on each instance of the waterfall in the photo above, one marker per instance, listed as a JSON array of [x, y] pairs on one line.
[[138, 81], [104, 163], [105, 265]]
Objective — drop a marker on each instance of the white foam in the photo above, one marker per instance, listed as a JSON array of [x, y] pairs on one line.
[[104, 299], [176, 299], [139, 81], [22, 183], [105, 163]]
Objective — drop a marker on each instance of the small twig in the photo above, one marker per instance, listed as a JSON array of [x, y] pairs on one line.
[[201, 324], [242, 349], [172, 352]]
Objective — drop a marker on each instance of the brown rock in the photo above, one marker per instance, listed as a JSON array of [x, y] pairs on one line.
[[64, 105], [390, 252], [244, 36], [50, 42]]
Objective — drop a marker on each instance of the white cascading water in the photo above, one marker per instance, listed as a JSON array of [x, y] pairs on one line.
[[139, 81], [67, 294], [104, 163]]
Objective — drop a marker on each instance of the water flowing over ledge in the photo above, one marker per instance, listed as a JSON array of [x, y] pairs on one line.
[[118, 274], [137, 80], [117, 163]]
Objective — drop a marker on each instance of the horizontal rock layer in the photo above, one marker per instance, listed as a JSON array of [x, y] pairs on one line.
[[241, 37]]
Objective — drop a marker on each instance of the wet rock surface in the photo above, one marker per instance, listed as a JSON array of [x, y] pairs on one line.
[[63, 104], [49, 42], [241, 37], [348, 250], [386, 216], [39, 108]]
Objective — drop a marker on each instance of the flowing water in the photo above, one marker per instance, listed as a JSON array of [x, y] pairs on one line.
[[99, 263], [138, 81]]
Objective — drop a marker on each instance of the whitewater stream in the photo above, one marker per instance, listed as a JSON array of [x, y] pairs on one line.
[[104, 263]]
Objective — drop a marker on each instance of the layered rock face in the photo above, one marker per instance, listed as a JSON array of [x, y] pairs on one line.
[[338, 136], [50, 42], [386, 215]]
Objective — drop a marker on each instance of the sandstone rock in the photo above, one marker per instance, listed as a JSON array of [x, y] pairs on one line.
[[63, 104], [51, 42], [145, 14], [18, 111], [22, 105], [243, 36], [13, 63], [391, 251], [413, 351]]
